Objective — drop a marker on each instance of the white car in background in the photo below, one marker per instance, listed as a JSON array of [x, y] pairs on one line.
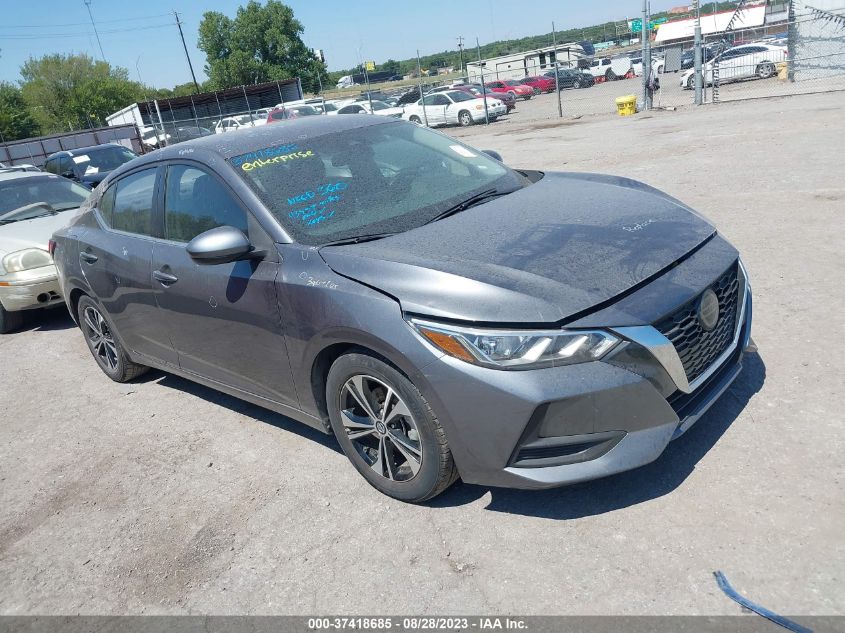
[[657, 63], [232, 123], [740, 62], [379, 108], [33, 205], [455, 107]]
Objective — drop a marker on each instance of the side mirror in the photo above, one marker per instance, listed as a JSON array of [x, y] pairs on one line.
[[221, 245], [494, 154]]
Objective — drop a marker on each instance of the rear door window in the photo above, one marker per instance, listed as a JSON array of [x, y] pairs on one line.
[[132, 209]]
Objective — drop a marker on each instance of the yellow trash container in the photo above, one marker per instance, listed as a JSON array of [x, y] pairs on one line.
[[626, 106], [783, 71]]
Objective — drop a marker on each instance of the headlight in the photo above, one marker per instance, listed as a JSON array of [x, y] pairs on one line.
[[26, 259], [517, 349]]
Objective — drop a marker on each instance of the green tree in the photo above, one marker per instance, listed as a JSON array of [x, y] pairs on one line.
[[262, 43], [16, 120], [74, 91], [392, 66]]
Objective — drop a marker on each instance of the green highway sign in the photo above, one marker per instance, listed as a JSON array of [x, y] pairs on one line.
[[637, 24]]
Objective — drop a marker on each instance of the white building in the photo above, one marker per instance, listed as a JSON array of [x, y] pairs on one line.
[[527, 63]]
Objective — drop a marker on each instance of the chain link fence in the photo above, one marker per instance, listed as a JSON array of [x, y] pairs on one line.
[[806, 55], [801, 53]]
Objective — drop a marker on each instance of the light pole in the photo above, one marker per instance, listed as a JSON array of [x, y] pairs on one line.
[[461, 49]]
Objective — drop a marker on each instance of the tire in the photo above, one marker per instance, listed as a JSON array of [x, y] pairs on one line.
[[465, 118], [691, 82], [9, 321], [536, 91], [415, 119], [415, 467], [610, 76], [766, 70], [105, 347]]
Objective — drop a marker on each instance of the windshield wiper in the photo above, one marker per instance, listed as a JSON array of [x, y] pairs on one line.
[[469, 202], [358, 239]]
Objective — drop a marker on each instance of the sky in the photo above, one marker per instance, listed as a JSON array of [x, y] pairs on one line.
[[142, 37]]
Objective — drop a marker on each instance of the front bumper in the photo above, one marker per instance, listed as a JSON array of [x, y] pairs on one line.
[[492, 111], [556, 426], [29, 289]]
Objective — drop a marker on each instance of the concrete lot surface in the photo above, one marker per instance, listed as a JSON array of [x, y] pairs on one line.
[[165, 497]]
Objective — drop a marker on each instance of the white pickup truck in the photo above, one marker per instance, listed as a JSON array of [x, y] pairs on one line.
[[610, 67]]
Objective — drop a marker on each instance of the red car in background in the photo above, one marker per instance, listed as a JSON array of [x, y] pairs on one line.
[[539, 84], [475, 90], [285, 113], [512, 86]]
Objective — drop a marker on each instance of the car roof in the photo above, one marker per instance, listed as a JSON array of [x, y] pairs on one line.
[[6, 176], [255, 138]]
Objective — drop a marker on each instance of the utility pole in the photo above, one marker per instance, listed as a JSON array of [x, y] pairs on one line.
[[91, 15], [185, 46], [699, 80], [461, 49]]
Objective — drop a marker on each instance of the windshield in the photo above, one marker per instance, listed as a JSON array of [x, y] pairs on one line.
[[43, 194], [513, 82], [459, 96], [103, 159], [380, 105], [376, 179]]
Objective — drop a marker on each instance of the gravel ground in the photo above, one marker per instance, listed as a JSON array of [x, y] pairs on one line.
[[166, 497]]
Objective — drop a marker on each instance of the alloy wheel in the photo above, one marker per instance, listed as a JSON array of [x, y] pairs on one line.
[[381, 427], [100, 338]]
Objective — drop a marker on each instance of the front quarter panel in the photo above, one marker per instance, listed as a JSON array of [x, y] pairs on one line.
[[321, 308]]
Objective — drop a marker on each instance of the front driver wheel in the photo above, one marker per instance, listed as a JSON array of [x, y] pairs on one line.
[[104, 346], [387, 429], [464, 118], [415, 119]]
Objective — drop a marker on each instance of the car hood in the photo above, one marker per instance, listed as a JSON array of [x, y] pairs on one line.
[[34, 233], [544, 254]]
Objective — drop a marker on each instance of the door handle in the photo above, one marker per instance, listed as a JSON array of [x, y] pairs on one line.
[[88, 258], [165, 279]]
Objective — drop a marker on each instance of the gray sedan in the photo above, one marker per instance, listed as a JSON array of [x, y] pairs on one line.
[[442, 315]]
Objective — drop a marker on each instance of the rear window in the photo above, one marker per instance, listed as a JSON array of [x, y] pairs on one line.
[[102, 159]]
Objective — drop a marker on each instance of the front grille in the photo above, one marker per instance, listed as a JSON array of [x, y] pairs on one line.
[[697, 348]]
